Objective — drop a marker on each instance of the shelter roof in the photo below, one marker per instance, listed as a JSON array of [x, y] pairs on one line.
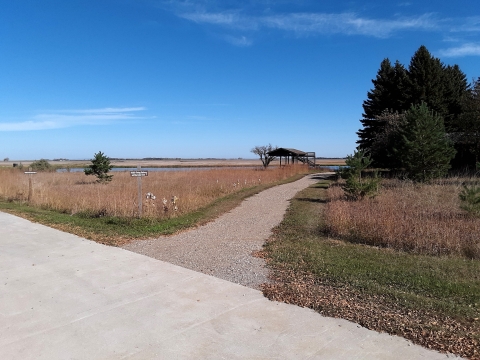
[[286, 152]]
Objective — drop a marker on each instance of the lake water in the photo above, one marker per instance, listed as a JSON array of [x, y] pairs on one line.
[[154, 169], [333, 167]]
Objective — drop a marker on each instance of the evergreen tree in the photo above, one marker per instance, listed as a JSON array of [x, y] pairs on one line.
[[468, 123], [388, 94], [424, 148], [470, 200], [356, 187], [444, 89], [455, 92], [100, 167], [426, 81], [382, 149]]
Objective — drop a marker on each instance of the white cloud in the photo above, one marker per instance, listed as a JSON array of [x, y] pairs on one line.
[[68, 118], [238, 41], [28, 125], [346, 23], [104, 110], [317, 23], [238, 23], [470, 49], [468, 25], [229, 19]]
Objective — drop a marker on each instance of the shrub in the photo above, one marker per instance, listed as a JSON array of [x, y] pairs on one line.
[[41, 165]]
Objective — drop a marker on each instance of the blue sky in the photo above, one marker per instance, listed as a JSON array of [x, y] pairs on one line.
[[209, 78]]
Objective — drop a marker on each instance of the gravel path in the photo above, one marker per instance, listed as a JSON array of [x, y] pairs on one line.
[[223, 248]]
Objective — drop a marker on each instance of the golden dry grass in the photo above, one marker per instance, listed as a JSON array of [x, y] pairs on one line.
[[76, 192], [424, 219]]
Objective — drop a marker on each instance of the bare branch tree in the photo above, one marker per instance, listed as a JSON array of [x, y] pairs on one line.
[[262, 152]]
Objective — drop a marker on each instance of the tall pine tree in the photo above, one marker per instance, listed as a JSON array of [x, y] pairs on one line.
[[424, 148], [388, 94], [455, 92], [382, 149], [426, 81], [468, 135]]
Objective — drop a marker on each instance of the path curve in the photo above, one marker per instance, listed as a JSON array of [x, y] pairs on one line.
[[223, 248]]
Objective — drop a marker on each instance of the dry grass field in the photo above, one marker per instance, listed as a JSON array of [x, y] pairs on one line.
[[424, 219], [75, 192]]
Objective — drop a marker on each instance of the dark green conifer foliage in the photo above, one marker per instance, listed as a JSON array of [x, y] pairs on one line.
[[424, 150], [470, 200], [357, 187], [426, 81], [469, 122], [388, 94], [382, 149], [100, 167], [455, 92], [442, 88]]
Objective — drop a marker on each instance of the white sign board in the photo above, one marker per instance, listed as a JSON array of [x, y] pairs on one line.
[[138, 173], [30, 172]]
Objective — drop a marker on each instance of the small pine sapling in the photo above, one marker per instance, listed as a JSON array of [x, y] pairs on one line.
[[356, 187], [100, 167], [470, 200]]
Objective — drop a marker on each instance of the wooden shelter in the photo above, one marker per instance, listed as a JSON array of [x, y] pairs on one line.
[[294, 155]]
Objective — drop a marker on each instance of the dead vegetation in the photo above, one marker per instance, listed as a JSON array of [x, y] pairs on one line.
[[175, 192], [419, 218]]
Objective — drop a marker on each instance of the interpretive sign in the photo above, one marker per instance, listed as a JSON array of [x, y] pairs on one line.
[[138, 173], [30, 183]]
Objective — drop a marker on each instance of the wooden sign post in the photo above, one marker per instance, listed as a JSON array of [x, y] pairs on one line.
[[30, 185], [139, 174]]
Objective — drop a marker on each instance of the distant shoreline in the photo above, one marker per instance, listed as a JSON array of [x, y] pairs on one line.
[[174, 163]]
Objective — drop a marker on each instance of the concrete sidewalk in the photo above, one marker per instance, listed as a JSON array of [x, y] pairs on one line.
[[64, 297]]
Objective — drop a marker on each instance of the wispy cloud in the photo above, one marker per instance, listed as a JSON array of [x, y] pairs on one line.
[[198, 117], [238, 40], [313, 23], [230, 19], [239, 24], [58, 119], [346, 23], [470, 49], [468, 25]]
